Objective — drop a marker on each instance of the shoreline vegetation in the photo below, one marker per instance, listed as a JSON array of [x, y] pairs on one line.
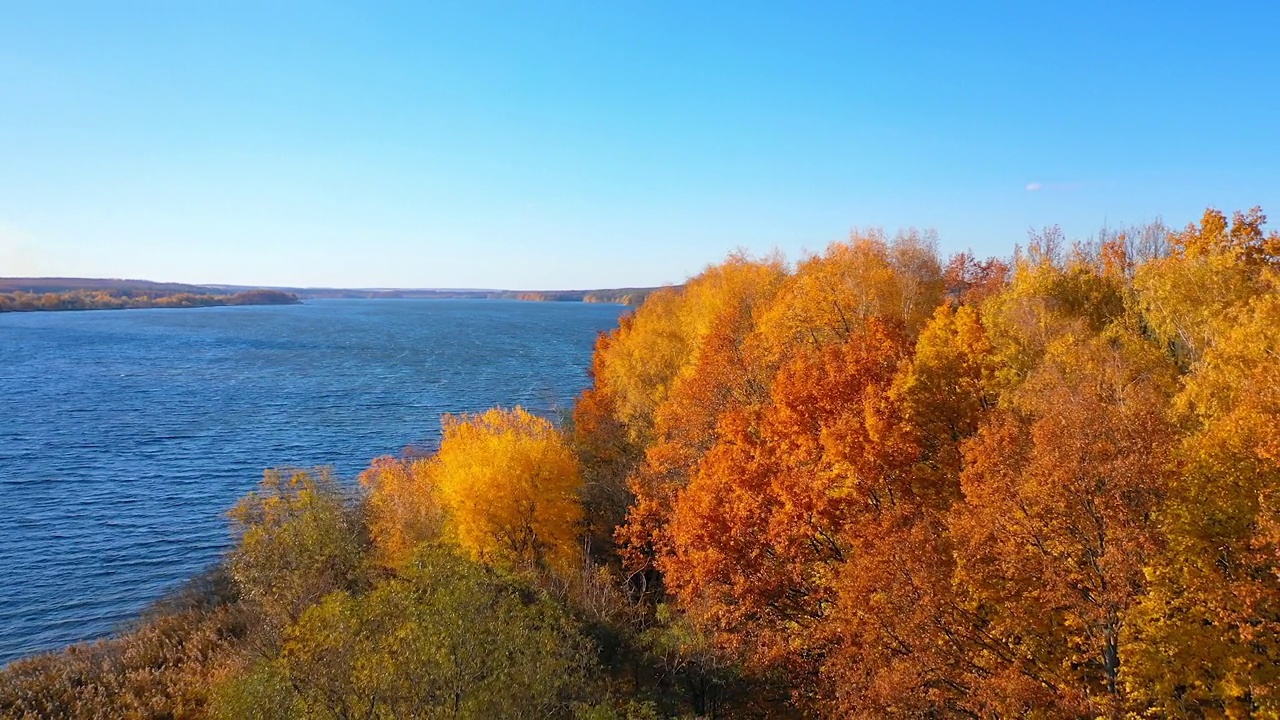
[[60, 294], [870, 483]]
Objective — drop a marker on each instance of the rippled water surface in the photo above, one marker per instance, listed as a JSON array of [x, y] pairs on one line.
[[125, 435]]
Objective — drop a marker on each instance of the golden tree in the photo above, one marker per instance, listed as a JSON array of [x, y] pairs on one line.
[[1208, 635], [510, 485], [1214, 267]]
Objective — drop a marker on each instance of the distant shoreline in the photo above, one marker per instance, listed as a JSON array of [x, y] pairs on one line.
[[78, 300], [62, 294]]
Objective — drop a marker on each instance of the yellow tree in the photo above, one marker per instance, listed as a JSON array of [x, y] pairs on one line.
[[641, 358], [1214, 267], [653, 347], [1051, 292], [510, 485], [830, 295], [944, 392], [1208, 636]]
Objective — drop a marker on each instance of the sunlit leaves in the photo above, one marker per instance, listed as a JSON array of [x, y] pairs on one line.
[[757, 534], [1215, 267], [1214, 607], [653, 348], [830, 295], [510, 486]]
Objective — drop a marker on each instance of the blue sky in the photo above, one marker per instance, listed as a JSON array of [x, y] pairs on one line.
[[601, 144]]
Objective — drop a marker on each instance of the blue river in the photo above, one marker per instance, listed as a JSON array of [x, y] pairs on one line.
[[125, 435]]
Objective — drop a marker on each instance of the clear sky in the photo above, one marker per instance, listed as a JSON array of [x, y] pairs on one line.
[[601, 144]]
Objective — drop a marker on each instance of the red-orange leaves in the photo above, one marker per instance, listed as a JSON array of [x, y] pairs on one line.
[[757, 535], [831, 415], [969, 280], [901, 642], [719, 531], [718, 309]]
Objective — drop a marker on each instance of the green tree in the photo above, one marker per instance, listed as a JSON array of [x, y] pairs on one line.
[[447, 639], [299, 540]]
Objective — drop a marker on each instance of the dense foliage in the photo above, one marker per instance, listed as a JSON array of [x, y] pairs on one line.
[[870, 484]]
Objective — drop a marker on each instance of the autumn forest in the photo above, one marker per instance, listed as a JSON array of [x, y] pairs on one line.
[[873, 482]]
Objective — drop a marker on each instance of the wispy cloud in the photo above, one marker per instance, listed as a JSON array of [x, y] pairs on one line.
[[1053, 186]]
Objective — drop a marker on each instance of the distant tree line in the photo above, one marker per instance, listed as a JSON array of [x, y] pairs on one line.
[[128, 299], [621, 296]]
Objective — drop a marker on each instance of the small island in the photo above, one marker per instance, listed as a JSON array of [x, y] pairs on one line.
[[126, 299]]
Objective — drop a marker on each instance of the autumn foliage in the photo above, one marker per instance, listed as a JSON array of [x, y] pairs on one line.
[[872, 483], [509, 483], [973, 488]]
